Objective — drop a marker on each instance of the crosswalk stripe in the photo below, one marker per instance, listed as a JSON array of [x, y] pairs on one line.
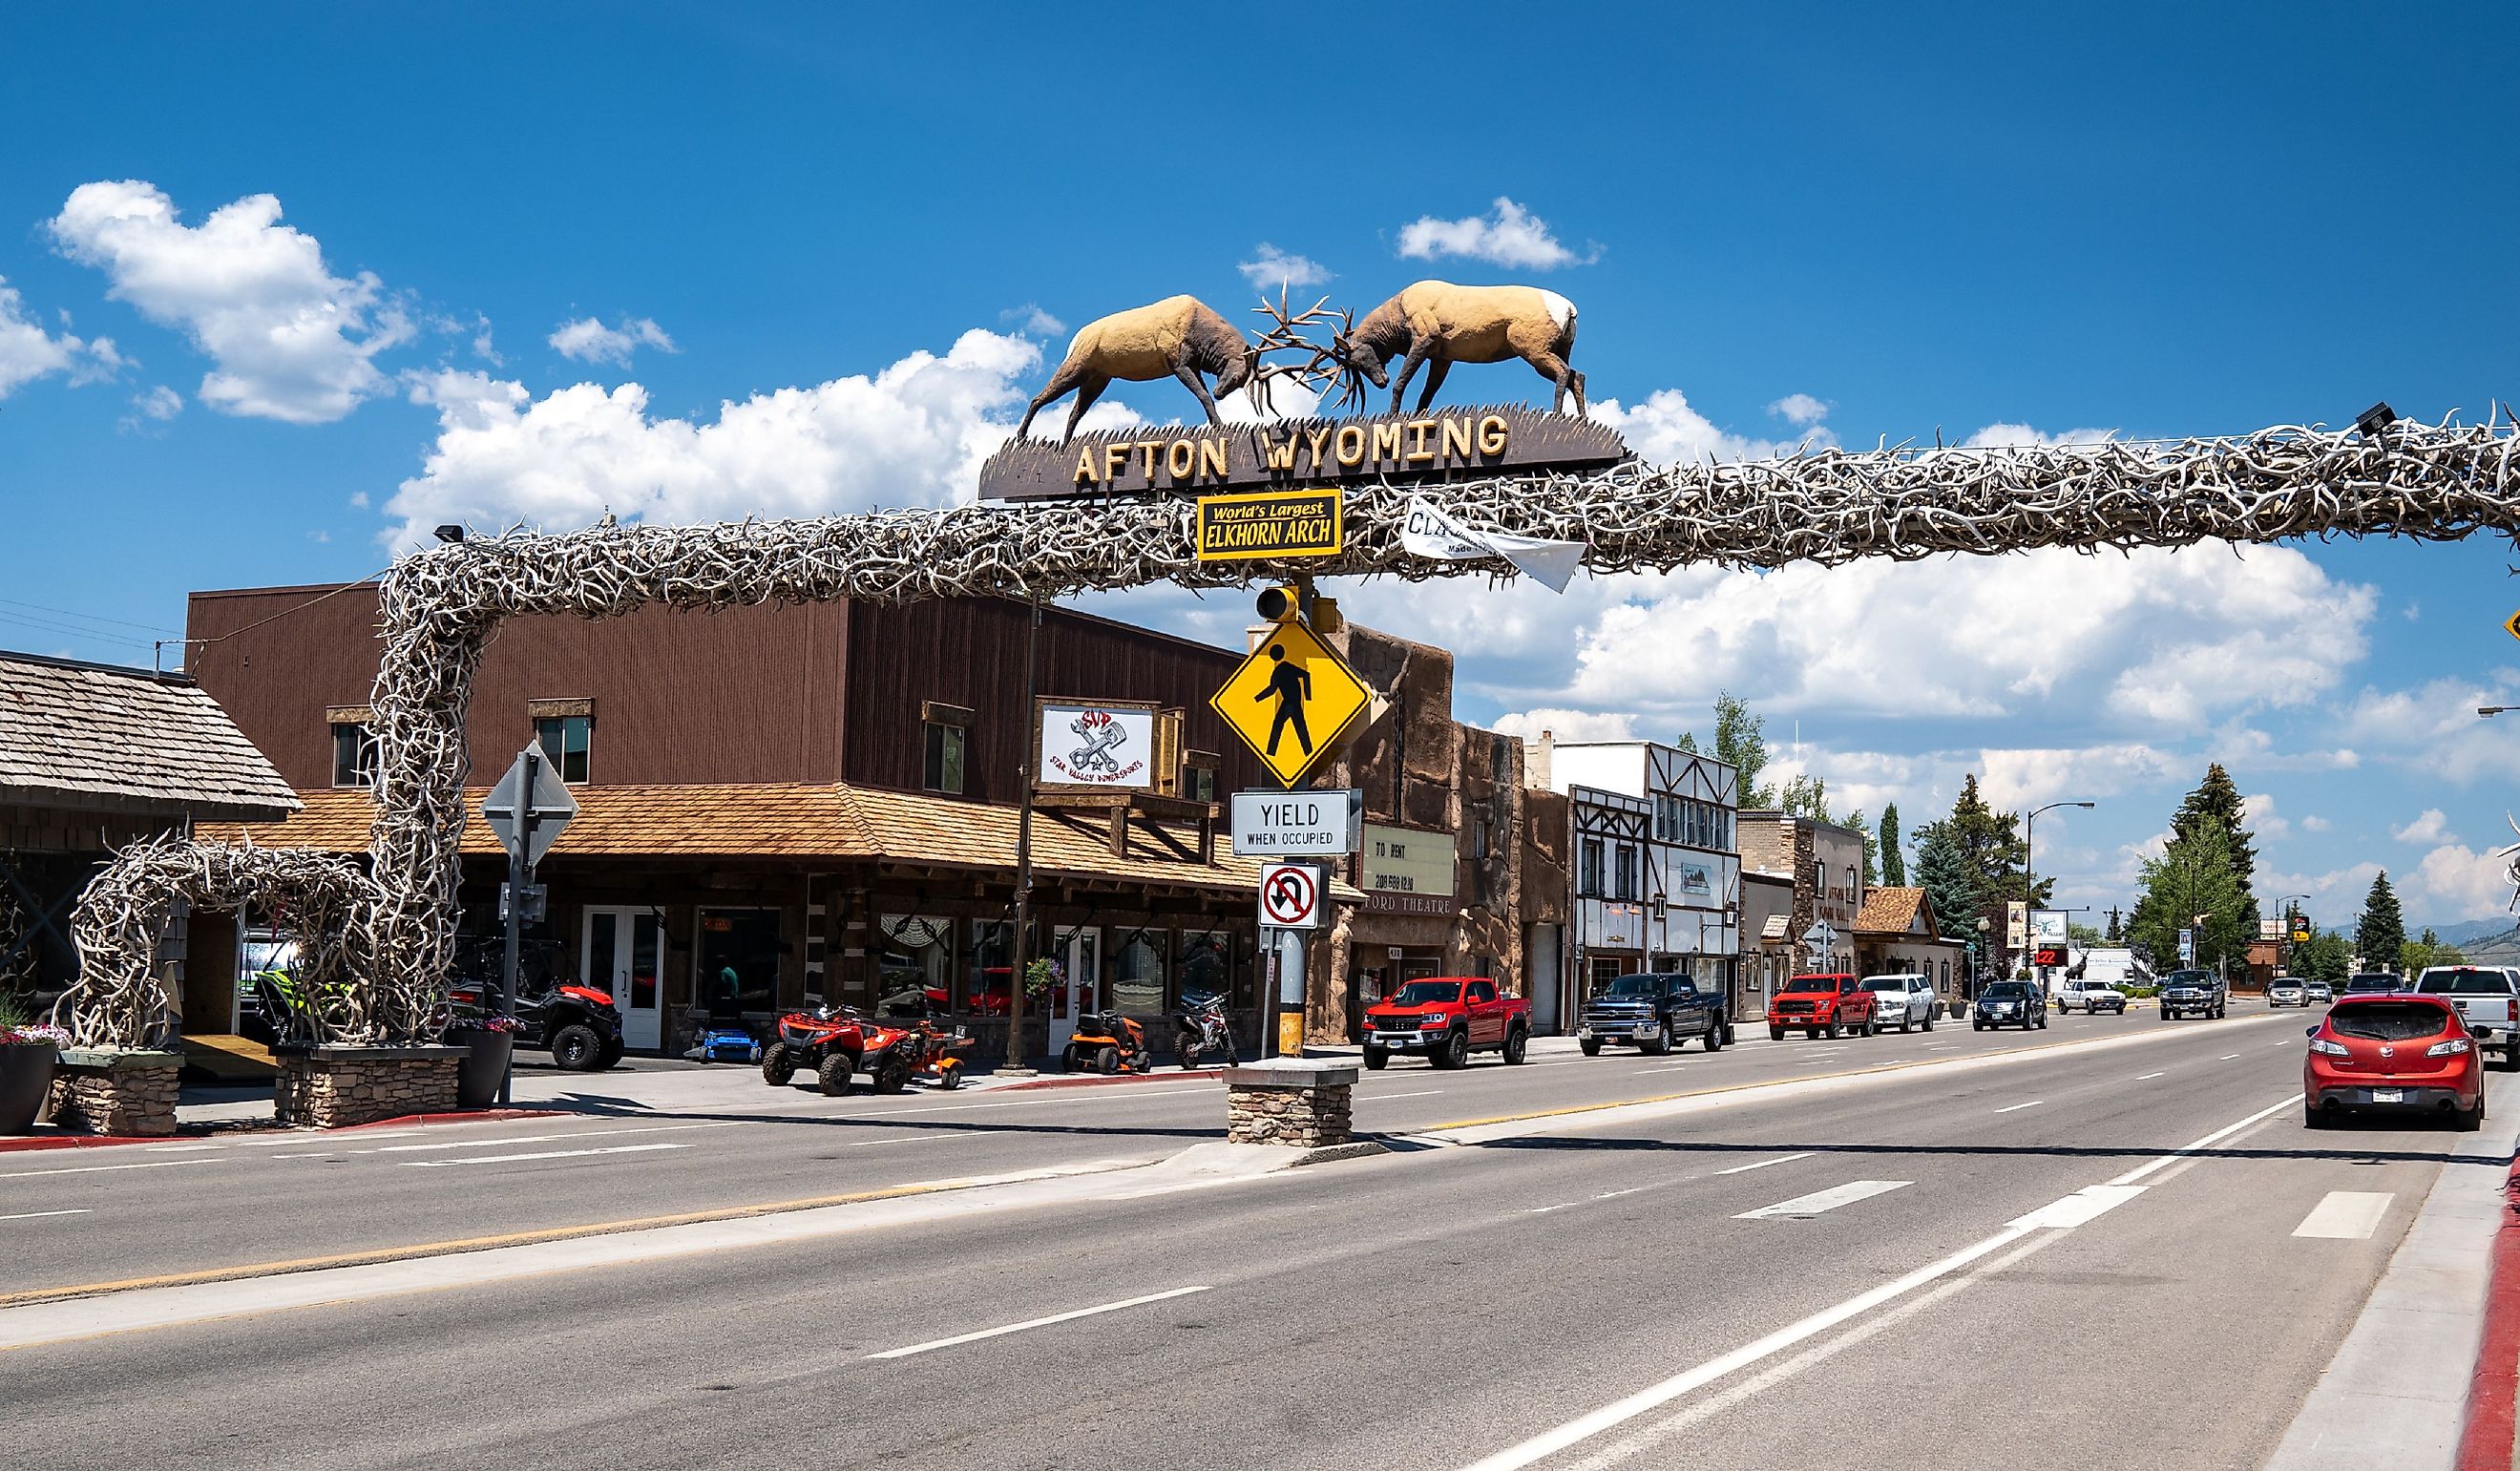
[[1824, 1200], [2345, 1215]]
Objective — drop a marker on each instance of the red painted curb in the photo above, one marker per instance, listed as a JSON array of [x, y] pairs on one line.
[[196, 1131], [1098, 1081], [2484, 1441]]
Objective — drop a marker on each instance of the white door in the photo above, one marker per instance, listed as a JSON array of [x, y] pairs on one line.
[[623, 952], [1080, 965]]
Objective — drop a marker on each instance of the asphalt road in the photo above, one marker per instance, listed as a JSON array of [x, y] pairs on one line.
[[1425, 1308]]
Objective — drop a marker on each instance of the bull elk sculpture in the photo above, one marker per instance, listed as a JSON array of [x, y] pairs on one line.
[[1178, 336], [1437, 323]]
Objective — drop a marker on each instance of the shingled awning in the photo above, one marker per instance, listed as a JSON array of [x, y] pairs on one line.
[[100, 738]]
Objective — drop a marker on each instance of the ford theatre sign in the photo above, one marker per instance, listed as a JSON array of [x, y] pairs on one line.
[[1109, 746], [1200, 459]]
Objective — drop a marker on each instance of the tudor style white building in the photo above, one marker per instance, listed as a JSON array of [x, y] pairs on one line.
[[1657, 872]]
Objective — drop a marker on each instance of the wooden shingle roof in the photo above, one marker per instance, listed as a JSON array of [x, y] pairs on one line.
[[803, 821], [100, 738], [1894, 911]]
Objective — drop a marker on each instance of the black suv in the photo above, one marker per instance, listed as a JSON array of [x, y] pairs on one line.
[[2009, 1004], [1655, 1011], [2191, 993]]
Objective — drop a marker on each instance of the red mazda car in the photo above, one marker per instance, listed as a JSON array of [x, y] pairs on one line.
[[2393, 1053]]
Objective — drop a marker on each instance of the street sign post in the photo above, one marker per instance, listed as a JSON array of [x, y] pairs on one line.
[[1290, 908], [1310, 823], [528, 810], [1821, 940], [1290, 701], [1290, 896]]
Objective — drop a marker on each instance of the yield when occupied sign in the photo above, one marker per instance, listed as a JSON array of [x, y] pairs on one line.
[[1290, 896]]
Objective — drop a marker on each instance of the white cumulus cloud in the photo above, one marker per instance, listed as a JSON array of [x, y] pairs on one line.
[[2429, 826], [1271, 268], [587, 341], [29, 352], [2028, 778], [1800, 409], [2460, 883], [1508, 234], [288, 340], [1565, 724]]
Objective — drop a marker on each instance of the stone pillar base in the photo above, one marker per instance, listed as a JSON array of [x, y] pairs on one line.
[[328, 1085], [120, 1091], [1293, 1102]]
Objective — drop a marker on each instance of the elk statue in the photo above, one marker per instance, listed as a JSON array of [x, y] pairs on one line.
[[1178, 336], [1438, 324]]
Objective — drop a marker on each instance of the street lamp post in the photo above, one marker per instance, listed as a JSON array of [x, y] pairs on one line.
[[2029, 883]]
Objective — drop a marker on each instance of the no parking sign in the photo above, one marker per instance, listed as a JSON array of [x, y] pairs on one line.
[[1290, 896]]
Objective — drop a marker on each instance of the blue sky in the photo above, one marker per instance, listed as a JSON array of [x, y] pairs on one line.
[[856, 228]]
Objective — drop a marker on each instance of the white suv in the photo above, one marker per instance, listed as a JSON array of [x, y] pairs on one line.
[[1902, 1000], [2094, 996]]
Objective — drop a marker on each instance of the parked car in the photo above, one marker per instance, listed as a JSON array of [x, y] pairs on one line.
[[2009, 1004], [2372, 983], [2284, 991], [2192, 992], [1818, 1004], [1902, 1000], [2483, 997], [1445, 1019], [1657, 1011], [2395, 1053], [2319, 992], [2094, 996]]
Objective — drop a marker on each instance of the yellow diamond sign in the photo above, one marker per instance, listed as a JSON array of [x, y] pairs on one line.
[[2511, 625], [1290, 701]]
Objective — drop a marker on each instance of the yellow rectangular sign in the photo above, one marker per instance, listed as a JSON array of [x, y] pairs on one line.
[[1270, 523]]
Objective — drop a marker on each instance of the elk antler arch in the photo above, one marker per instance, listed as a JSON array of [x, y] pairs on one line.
[[2432, 482]]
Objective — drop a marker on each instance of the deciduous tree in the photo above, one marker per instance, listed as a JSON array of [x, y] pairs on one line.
[[2192, 877]]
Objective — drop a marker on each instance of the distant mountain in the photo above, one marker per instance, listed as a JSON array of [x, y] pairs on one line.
[[2461, 933], [2501, 949]]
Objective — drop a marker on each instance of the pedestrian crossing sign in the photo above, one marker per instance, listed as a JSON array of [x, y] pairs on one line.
[[1290, 701]]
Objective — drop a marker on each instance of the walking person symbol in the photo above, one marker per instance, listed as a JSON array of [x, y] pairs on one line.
[[1290, 687]]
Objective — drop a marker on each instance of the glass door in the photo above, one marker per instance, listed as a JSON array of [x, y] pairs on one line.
[[623, 953], [1079, 952]]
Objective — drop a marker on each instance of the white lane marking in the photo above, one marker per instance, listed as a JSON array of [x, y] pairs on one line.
[[1653, 1396], [39, 1215], [1782, 1159], [1665, 1067], [2287, 1041], [1037, 1323], [2085, 1205], [501, 1159], [2290, 1099], [174, 1148], [157, 1164], [1131, 1096], [2345, 1215], [544, 1139], [2230, 1057], [1829, 1199], [2149, 1077], [1424, 1092], [2017, 1107]]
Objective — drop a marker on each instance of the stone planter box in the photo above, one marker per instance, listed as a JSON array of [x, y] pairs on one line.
[[26, 1082], [1290, 1102], [330, 1086], [119, 1090], [483, 1065]]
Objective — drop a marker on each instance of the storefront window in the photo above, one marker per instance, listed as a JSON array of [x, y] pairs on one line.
[[912, 964], [1207, 965], [988, 967], [738, 955], [1137, 972]]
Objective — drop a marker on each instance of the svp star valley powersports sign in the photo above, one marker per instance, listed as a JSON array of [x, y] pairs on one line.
[[1201, 460], [1108, 747]]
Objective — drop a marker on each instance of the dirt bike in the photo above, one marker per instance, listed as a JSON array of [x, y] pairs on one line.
[[1199, 1029]]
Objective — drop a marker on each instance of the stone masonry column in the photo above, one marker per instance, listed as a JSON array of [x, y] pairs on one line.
[[119, 1090], [327, 1086], [1290, 1102]]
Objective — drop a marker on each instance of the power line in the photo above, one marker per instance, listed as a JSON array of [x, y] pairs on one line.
[[64, 613]]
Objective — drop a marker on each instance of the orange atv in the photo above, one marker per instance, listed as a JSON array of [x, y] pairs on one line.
[[918, 1051], [1108, 1041], [827, 1042]]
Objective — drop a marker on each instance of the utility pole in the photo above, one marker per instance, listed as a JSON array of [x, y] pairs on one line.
[[1021, 952]]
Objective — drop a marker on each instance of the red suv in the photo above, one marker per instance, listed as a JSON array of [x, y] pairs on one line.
[[2392, 1053]]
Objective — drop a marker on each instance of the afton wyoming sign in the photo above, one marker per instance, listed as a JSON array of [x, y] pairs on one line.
[[1097, 746]]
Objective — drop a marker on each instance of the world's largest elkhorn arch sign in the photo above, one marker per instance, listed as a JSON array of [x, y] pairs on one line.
[[2433, 482]]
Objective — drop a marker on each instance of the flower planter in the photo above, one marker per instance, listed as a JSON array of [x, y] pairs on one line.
[[25, 1081], [479, 1073]]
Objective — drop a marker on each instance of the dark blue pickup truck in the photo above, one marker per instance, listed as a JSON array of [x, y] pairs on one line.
[[1656, 1012]]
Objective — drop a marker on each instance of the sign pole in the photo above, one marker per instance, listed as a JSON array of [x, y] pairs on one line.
[[1022, 949], [520, 878], [1291, 994]]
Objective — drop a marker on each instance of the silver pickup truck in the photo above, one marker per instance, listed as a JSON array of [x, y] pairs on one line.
[[2483, 996]]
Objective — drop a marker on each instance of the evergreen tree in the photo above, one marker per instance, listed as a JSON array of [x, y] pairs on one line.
[[2117, 929], [2193, 876], [1894, 864], [2217, 801], [2323, 956], [1990, 843], [1740, 742], [1689, 743], [2381, 936], [1951, 888]]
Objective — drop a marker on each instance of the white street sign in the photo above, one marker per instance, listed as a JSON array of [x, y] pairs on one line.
[[538, 817], [1290, 896], [1297, 823]]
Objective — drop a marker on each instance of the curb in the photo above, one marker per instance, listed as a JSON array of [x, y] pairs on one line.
[[34, 1142], [1116, 1080], [2485, 1438]]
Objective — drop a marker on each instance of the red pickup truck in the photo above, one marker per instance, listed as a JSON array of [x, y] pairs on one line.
[[1820, 1004], [1446, 1018]]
